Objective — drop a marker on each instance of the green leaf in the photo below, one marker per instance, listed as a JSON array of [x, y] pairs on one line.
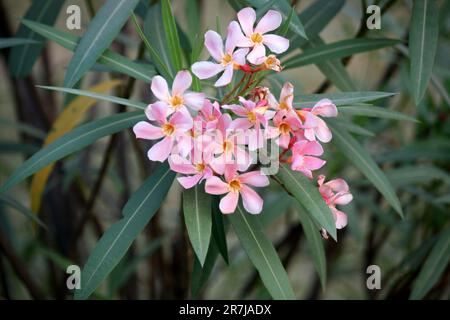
[[109, 58], [218, 228], [423, 38], [262, 253], [364, 162], [353, 128], [17, 147], [433, 267], [315, 18], [337, 50], [429, 149], [302, 189], [75, 140], [377, 112], [285, 9], [20, 208], [172, 38], [101, 31], [125, 102], [113, 245], [414, 174], [200, 275], [22, 58], [12, 42], [197, 216], [315, 243], [340, 98]]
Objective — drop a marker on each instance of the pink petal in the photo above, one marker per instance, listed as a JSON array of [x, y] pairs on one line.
[[239, 56], [181, 121], [322, 131], [206, 69], [276, 43], [237, 109], [189, 182], [181, 83], [287, 93], [229, 203], [340, 218], [144, 130], [159, 88], [247, 17], [161, 150], [271, 21], [312, 148], [254, 178], [230, 172], [241, 124], [181, 165], [215, 186], [214, 44], [194, 100], [313, 163], [338, 185], [236, 37], [283, 140], [251, 200], [242, 159], [310, 134], [157, 111], [343, 198], [226, 76], [257, 52], [325, 108]]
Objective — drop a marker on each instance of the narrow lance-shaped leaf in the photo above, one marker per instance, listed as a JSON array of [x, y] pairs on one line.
[[433, 267], [261, 253], [22, 58], [75, 140], [308, 195], [364, 162], [19, 207], [109, 58], [171, 32], [219, 229], [113, 245], [12, 42], [91, 94], [66, 121], [340, 98], [423, 38], [337, 50], [200, 274], [377, 112], [315, 244], [100, 33], [197, 217]]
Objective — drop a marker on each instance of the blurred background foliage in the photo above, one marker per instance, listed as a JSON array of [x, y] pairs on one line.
[[85, 193]]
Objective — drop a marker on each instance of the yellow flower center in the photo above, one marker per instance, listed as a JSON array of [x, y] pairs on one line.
[[227, 146], [168, 129], [251, 116], [283, 105], [176, 102], [270, 61], [301, 115], [234, 185], [256, 38], [284, 128], [226, 59], [200, 167]]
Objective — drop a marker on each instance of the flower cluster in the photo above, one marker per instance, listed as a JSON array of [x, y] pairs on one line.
[[216, 142]]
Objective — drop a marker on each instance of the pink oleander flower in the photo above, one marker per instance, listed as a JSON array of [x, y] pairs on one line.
[[286, 125], [197, 171], [170, 130], [256, 38], [228, 60], [304, 157], [253, 114], [210, 114], [335, 192], [229, 145], [270, 63], [178, 98], [238, 184], [315, 126]]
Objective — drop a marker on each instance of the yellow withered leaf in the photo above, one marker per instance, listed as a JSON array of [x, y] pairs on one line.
[[71, 115]]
